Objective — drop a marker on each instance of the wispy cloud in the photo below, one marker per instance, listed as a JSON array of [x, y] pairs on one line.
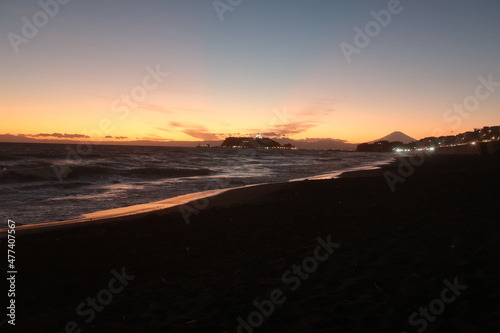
[[195, 131], [293, 128], [271, 134], [318, 107], [162, 129], [154, 137], [201, 134], [153, 107], [175, 124], [60, 135], [284, 123]]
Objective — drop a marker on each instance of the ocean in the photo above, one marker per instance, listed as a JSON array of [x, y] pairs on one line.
[[53, 182]]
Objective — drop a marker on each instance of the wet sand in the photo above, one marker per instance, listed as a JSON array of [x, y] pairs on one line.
[[396, 249]]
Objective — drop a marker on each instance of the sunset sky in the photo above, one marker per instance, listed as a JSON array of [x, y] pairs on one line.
[[274, 67]]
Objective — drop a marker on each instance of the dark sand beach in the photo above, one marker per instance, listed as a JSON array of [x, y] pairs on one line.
[[396, 249]]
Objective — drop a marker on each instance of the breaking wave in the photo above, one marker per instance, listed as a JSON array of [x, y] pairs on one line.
[[61, 172]]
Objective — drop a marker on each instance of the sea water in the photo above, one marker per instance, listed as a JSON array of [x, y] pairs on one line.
[[45, 182]]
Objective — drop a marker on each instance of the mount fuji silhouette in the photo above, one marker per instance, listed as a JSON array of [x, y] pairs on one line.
[[396, 136]]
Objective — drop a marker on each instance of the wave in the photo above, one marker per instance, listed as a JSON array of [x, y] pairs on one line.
[[328, 159], [5, 157], [166, 172], [27, 175], [63, 172]]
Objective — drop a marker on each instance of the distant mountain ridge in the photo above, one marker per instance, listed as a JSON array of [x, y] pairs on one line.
[[320, 144], [396, 136], [310, 143]]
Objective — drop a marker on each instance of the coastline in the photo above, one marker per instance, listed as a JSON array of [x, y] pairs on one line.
[[242, 193], [396, 251]]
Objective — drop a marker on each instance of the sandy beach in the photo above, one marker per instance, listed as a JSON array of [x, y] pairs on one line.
[[341, 255]]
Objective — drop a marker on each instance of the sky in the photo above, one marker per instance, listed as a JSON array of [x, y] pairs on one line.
[[175, 70]]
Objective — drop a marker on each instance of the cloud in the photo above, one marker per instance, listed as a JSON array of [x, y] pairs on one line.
[[269, 134], [15, 138], [162, 129], [154, 137], [195, 131], [293, 128], [153, 107], [200, 134], [121, 137], [322, 139], [311, 115], [318, 107], [175, 124], [61, 136], [191, 110]]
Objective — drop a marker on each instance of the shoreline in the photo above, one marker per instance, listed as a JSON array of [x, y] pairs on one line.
[[166, 206]]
